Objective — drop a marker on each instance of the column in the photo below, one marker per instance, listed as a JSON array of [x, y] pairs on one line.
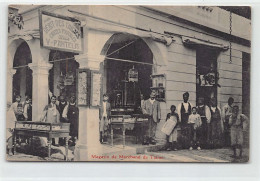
[[9, 85], [88, 142], [40, 87]]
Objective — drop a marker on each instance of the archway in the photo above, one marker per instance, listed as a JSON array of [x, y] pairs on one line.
[[22, 79], [126, 53]]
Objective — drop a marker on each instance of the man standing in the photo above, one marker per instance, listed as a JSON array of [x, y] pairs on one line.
[[184, 110], [62, 104], [28, 109], [17, 107], [71, 113], [152, 108], [104, 116], [238, 123], [226, 113], [205, 114], [51, 114]]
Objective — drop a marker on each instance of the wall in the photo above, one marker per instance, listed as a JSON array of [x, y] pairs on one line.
[[230, 75]]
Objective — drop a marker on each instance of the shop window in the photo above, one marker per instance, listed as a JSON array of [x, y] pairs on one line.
[[159, 82], [206, 73]]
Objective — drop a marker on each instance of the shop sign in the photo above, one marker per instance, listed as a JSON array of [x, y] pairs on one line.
[[60, 32]]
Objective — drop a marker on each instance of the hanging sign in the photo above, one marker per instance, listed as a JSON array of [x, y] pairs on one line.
[[60, 32]]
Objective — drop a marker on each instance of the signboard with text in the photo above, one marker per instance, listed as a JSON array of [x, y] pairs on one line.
[[60, 32]]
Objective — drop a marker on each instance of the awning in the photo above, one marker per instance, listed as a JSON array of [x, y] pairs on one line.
[[197, 42]]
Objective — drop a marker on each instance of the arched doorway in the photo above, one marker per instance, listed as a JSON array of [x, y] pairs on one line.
[[127, 53], [22, 79]]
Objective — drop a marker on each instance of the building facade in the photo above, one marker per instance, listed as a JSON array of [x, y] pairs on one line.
[[174, 49]]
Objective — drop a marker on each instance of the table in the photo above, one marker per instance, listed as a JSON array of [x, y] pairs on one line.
[[130, 126], [42, 129]]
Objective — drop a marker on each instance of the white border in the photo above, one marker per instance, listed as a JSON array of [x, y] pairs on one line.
[[137, 171]]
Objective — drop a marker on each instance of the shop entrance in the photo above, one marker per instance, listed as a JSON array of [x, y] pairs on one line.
[[127, 72], [22, 79], [62, 76], [207, 75]]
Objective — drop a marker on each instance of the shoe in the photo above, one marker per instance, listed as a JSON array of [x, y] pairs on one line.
[[168, 149], [190, 148], [198, 148], [175, 149]]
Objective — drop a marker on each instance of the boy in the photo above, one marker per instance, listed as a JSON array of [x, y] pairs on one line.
[[17, 108], [236, 122], [172, 138], [195, 124], [104, 116], [28, 109]]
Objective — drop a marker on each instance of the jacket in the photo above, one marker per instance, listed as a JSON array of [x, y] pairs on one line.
[[153, 110]]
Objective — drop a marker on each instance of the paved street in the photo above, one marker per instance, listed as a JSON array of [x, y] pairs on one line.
[[214, 155]]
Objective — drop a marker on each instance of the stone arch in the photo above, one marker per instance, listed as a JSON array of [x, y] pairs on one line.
[[159, 51], [19, 57]]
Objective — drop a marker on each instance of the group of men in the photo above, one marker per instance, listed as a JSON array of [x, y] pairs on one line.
[[58, 111], [219, 127], [62, 111]]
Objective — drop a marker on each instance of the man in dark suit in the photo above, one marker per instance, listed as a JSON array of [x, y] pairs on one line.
[[104, 117], [152, 108]]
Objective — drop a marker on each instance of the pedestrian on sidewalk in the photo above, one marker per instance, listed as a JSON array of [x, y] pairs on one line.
[[195, 127], [237, 123], [172, 138]]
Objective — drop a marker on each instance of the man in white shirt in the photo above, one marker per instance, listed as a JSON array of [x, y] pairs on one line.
[[205, 114], [104, 117], [226, 113], [184, 110]]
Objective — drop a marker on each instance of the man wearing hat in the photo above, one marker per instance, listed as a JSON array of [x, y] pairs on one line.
[[152, 108]]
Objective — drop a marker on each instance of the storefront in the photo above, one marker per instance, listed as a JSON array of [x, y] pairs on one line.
[[127, 57]]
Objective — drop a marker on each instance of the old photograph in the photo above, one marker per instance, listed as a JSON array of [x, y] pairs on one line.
[[128, 83]]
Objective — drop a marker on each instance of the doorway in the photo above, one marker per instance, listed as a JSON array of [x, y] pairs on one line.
[[207, 74], [62, 76], [127, 71]]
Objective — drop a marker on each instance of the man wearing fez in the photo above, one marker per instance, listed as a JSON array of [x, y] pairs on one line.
[[184, 110], [152, 108]]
